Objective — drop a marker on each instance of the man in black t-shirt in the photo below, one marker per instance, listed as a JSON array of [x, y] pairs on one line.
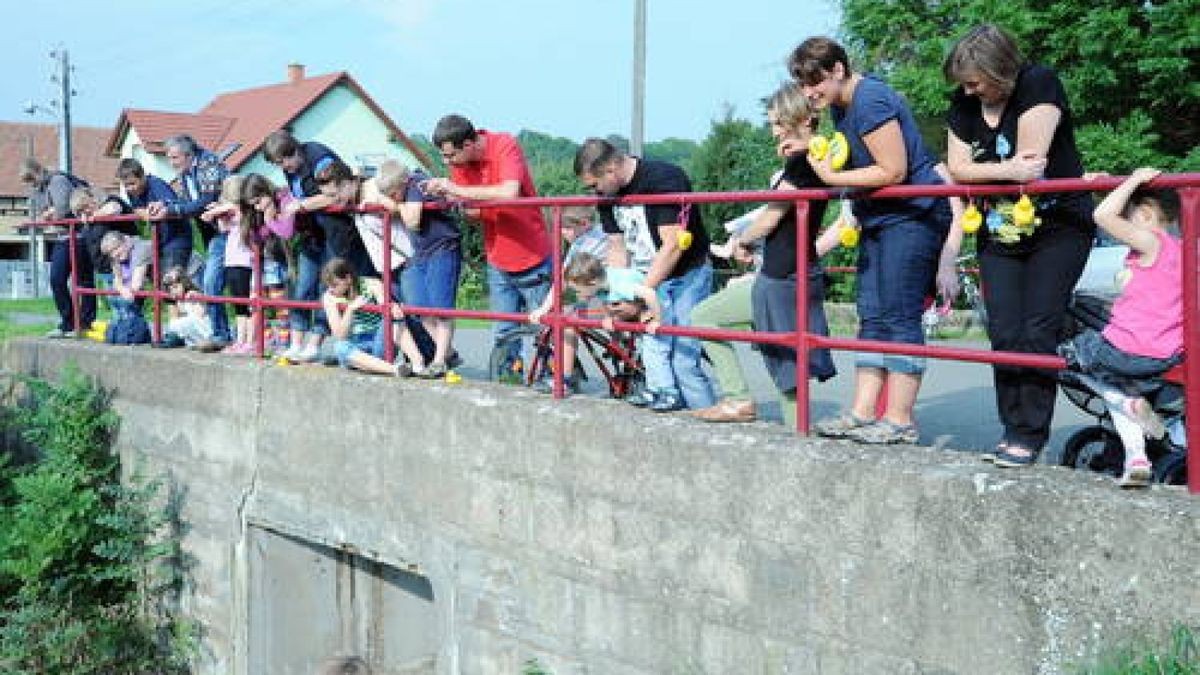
[[669, 244]]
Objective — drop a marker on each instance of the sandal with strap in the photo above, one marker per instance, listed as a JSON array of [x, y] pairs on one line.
[[838, 427], [884, 432]]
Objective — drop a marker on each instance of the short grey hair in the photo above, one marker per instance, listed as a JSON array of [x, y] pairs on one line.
[[184, 143]]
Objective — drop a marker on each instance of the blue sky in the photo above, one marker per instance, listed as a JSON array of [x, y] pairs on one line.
[[562, 67]]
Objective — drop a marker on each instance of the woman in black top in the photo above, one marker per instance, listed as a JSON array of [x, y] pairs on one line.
[[1009, 122], [792, 122]]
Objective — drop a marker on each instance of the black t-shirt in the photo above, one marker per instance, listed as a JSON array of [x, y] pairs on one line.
[[1035, 85], [779, 247], [93, 234], [639, 223]]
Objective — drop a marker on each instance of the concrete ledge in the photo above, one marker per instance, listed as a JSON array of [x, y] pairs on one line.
[[598, 538]]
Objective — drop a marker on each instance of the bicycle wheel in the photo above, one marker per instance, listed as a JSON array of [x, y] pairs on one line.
[[524, 369], [1094, 448]]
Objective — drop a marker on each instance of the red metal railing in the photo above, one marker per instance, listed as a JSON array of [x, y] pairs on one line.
[[801, 340]]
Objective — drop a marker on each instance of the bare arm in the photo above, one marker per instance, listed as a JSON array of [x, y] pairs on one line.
[[1035, 130], [947, 271], [136, 279], [339, 320], [886, 145], [508, 189], [1108, 216]]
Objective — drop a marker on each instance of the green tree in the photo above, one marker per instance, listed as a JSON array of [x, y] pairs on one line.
[[736, 155], [1130, 69]]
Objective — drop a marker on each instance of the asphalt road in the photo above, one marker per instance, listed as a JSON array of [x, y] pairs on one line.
[[955, 410]]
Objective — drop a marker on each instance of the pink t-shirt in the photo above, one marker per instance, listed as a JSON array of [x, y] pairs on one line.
[[237, 254], [1147, 318]]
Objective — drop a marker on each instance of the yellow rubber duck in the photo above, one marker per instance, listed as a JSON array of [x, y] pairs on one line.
[[684, 240], [972, 219], [848, 237], [1023, 212], [837, 147]]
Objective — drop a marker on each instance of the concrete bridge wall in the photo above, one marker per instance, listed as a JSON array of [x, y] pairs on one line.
[[470, 528]]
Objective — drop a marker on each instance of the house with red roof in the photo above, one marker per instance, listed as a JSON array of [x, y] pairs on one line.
[[19, 140], [332, 109]]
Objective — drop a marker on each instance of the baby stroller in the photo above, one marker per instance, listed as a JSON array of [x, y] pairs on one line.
[[1098, 447]]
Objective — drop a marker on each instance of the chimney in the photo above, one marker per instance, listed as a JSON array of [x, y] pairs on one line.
[[295, 72]]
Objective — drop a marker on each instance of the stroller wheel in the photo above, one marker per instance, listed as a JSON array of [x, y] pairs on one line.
[[1094, 448]]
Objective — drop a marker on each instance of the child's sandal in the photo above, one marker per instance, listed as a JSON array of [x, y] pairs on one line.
[[1137, 474]]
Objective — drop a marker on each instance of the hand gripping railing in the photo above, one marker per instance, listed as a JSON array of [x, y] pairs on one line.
[[801, 340]]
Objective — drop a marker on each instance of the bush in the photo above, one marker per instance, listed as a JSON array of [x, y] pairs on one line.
[[1180, 656], [87, 568]]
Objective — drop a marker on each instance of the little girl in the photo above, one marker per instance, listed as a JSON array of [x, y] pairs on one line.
[[189, 322], [227, 217], [266, 219], [357, 334], [1144, 335]]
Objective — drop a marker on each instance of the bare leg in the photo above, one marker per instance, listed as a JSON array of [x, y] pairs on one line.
[[868, 384], [363, 361], [902, 396]]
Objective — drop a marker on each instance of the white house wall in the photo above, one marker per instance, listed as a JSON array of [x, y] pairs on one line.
[[344, 122]]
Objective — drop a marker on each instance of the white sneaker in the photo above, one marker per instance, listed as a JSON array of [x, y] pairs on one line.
[[308, 354]]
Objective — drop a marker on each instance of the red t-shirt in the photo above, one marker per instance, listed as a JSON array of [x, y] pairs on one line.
[[514, 239]]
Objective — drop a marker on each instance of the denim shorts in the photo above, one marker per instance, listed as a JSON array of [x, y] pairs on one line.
[[432, 281], [1093, 354], [344, 349]]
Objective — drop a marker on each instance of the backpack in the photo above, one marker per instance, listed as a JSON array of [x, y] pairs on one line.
[[130, 328]]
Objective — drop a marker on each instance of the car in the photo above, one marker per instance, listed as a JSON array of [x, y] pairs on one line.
[[1105, 260]]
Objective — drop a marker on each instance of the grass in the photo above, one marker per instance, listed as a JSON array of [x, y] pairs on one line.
[[37, 307], [1179, 656]]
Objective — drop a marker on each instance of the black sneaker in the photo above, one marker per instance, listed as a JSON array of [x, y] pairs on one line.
[[169, 341]]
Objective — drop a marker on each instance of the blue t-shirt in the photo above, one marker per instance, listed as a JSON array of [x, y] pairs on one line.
[[873, 105], [438, 231], [622, 284], [172, 232]]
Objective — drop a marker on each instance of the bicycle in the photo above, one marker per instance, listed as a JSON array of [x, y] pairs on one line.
[[942, 322], [615, 356]]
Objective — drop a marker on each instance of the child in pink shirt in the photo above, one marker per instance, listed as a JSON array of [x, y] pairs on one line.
[[1144, 334]]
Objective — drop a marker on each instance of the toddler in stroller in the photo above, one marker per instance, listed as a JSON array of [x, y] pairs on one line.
[[1117, 361], [1099, 447]]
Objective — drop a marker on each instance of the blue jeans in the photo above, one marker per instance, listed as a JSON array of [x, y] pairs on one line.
[[214, 284], [308, 288], [673, 363], [516, 292], [60, 283], [896, 269]]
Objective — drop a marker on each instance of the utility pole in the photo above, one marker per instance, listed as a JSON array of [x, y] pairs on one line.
[[64, 79], [637, 132]]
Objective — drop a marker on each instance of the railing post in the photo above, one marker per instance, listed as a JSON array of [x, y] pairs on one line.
[[156, 280], [1189, 221], [802, 340], [389, 346], [73, 279], [556, 320], [256, 300]]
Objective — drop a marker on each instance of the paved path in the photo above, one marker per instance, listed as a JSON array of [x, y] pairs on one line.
[[956, 408]]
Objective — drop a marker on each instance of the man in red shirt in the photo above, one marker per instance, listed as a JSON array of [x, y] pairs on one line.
[[486, 165]]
